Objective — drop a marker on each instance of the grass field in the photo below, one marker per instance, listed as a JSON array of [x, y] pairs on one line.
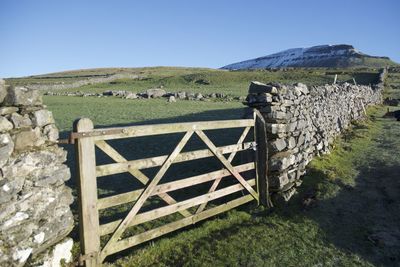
[[117, 111], [234, 83], [345, 215], [393, 86]]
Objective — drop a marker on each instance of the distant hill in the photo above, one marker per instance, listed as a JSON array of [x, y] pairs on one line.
[[324, 56]]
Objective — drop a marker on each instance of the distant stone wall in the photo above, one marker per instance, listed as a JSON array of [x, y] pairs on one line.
[[303, 122], [88, 81], [34, 201]]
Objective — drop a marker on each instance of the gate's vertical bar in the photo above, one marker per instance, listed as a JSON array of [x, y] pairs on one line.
[[260, 137], [87, 182]]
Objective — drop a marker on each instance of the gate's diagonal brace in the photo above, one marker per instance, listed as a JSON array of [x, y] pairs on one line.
[[110, 151], [230, 158], [226, 163], [143, 197]]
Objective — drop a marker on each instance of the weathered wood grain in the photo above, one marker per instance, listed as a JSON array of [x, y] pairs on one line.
[[124, 166], [119, 199], [165, 229], [87, 188], [146, 193]]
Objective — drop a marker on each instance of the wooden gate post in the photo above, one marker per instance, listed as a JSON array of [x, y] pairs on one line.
[[260, 137], [87, 183]]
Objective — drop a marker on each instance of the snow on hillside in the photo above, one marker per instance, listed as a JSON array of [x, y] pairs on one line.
[[297, 57]]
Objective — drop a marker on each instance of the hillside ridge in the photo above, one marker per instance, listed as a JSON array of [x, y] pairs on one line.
[[326, 56]]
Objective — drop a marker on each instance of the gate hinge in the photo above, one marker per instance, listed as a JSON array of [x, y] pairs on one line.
[[70, 140], [83, 258]]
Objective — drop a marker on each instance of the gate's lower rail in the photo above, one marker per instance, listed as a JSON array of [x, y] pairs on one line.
[[192, 210]]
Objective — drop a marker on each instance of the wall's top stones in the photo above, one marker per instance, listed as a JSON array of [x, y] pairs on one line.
[[302, 122], [258, 87], [19, 96], [3, 91]]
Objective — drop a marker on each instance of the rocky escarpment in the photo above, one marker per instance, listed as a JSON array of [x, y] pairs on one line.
[[316, 56], [34, 201], [303, 122]]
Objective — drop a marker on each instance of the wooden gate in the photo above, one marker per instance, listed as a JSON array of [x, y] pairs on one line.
[[192, 210]]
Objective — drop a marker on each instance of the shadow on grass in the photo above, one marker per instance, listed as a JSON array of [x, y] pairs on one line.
[[361, 220], [151, 146]]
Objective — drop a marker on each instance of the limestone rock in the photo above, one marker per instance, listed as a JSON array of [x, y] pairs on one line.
[[22, 96], [34, 201], [22, 255], [277, 182], [278, 115], [5, 125], [198, 96], [61, 252], [171, 99], [20, 121], [190, 96], [278, 163], [6, 148], [131, 95], [302, 88], [291, 142], [3, 91], [27, 139], [8, 110], [56, 177], [275, 128], [51, 132], [155, 93], [279, 145], [180, 95], [303, 122], [42, 118], [258, 87]]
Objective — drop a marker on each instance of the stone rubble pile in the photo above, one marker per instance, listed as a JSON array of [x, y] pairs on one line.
[[303, 122], [152, 93], [34, 200]]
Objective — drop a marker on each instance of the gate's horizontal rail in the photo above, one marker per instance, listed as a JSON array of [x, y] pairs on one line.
[[115, 168], [156, 129], [127, 197], [109, 228], [165, 229]]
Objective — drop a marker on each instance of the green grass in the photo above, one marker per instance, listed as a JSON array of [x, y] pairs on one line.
[[295, 235], [114, 111], [175, 79], [392, 86], [347, 189], [377, 62]]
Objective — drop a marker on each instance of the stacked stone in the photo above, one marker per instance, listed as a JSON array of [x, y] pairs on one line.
[[302, 123], [88, 81], [34, 201], [379, 86]]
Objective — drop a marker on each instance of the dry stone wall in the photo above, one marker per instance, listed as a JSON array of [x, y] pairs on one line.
[[87, 81], [303, 122], [35, 216]]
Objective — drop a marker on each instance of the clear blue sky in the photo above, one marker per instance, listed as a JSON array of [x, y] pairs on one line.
[[47, 36]]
